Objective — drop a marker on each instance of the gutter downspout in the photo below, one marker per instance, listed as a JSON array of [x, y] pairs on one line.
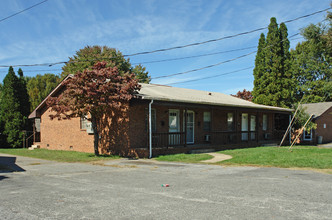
[[150, 130]]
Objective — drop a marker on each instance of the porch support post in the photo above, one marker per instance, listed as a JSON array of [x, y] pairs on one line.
[[236, 123], [34, 130], [257, 126], [185, 127], [290, 130], [150, 130]]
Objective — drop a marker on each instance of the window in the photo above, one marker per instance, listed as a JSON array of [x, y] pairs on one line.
[[307, 135], [252, 126], [173, 120], [230, 121], [264, 122], [84, 123], [37, 124], [207, 121]]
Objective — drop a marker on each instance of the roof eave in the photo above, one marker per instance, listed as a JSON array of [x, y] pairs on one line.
[[272, 108], [43, 103]]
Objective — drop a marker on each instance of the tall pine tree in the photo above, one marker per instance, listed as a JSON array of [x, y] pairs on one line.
[[288, 79], [273, 81], [258, 91], [11, 118], [23, 94], [39, 87]]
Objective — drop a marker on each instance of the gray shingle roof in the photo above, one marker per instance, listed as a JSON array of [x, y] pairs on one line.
[[317, 109], [174, 94]]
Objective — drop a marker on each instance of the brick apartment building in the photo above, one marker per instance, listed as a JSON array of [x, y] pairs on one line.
[[163, 119], [322, 116]]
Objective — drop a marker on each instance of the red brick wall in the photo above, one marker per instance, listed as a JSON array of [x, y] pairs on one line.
[[67, 135], [325, 118], [64, 135], [139, 122], [138, 125]]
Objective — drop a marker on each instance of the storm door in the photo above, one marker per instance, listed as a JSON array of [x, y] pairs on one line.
[[174, 136], [190, 126], [244, 127], [252, 127]]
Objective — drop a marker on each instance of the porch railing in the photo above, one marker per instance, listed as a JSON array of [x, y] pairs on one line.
[[224, 137], [232, 137], [177, 139], [165, 140]]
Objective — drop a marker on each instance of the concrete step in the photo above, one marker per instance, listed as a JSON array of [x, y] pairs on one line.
[[34, 147], [200, 151]]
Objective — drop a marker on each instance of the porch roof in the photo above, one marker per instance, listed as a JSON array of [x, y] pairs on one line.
[[175, 94]]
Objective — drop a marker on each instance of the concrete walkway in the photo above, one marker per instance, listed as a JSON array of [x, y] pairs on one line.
[[217, 157], [327, 145]]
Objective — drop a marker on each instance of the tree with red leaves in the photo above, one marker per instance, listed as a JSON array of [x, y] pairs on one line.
[[94, 93], [245, 94]]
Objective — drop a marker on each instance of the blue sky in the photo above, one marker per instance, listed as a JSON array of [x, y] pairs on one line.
[[55, 30]]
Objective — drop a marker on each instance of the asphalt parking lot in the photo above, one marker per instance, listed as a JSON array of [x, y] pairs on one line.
[[132, 189]]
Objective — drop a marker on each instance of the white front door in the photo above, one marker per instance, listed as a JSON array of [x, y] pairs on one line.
[[174, 127], [244, 126], [190, 126]]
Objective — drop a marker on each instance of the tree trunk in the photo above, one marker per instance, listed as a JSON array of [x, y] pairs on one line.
[[95, 134]]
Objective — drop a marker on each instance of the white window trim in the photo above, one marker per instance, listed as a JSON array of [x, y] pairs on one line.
[[84, 123], [304, 136]]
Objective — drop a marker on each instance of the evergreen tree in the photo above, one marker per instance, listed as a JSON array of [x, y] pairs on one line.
[[259, 77], [23, 95], [11, 119], [273, 83], [288, 78], [2, 137], [39, 87]]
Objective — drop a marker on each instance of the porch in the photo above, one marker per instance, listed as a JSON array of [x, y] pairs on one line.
[[216, 139]]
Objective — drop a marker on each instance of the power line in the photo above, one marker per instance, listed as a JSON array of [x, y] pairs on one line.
[[226, 37], [198, 69], [201, 55], [195, 56], [209, 77], [205, 67], [217, 64], [153, 61], [171, 48], [23, 10], [26, 71]]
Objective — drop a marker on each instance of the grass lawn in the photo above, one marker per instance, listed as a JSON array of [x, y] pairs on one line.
[[301, 156], [57, 155], [186, 158]]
